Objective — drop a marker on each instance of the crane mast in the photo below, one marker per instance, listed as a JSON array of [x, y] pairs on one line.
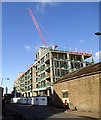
[[37, 26]]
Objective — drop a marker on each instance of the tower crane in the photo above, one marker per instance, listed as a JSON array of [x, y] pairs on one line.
[[38, 29]]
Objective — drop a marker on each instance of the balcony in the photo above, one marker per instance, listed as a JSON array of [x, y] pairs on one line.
[[30, 71], [29, 83], [26, 79], [23, 81], [58, 58], [64, 67], [45, 77], [29, 89], [23, 86], [76, 60], [44, 85], [29, 77], [61, 66], [43, 62], [45, 68], [25, 75], [23, 90], [46, 59], [75, 68]]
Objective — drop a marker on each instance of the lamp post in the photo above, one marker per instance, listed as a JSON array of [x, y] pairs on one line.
[[98, 33], [3, 79]]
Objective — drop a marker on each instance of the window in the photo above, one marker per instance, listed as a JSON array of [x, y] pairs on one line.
[[65, 95]]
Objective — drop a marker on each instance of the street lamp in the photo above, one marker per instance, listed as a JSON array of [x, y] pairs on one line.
[[98, 33], [3, 79]]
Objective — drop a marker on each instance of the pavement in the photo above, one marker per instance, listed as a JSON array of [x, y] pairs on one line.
[[79, 113], [84, 114], [10, 113]]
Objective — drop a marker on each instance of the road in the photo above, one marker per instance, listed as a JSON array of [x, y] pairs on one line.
[[27, 112]]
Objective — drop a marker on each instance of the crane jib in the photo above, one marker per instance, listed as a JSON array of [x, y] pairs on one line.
[[37, 26]]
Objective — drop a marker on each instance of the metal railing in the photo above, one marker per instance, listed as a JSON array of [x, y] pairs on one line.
[[44, 77], [44, 86], [44, 68], [42, 62]]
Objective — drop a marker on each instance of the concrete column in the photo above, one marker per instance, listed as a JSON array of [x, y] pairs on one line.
[[92, 59], [82, 58], [68, 56], [46, 74], [38, 92], [84, 64], [51, 71], [52, 89], [47, 92], [31, 94], [59, 70], [69, 62], [54, 69]]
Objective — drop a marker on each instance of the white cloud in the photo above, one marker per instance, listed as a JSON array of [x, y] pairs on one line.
[[97, 56], [27, 47], [40, 7], [81, 41]]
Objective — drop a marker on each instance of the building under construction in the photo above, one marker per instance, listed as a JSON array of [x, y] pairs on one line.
[[25, 82], [50, 65]]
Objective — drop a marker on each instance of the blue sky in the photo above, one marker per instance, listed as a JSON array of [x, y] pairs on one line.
[[69, 25]]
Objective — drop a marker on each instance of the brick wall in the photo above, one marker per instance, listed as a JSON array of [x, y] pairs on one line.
[[83, 93]]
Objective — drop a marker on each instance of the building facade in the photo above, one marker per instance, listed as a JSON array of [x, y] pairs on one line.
[[52, 64], [25, 82]]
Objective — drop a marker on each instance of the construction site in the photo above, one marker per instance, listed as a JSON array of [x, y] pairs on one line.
[[50, 65], [54, 66], [57, 76]]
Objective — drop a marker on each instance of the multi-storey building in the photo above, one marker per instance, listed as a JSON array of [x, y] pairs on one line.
[[25, 82], [52, 64]]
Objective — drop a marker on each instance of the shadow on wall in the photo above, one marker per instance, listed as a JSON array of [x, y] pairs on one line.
[[57, 102]]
